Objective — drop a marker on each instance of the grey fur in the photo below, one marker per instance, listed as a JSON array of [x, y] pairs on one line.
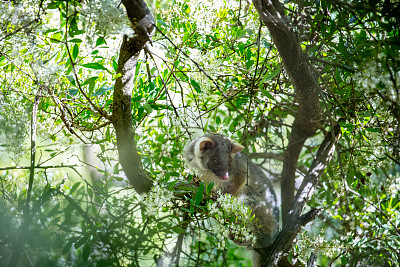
[[214, 155]]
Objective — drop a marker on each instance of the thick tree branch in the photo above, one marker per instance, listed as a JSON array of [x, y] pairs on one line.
[[296, 64], [295, 220], [143, 25]]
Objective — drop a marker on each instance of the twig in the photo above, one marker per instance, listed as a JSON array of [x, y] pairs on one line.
[[203, 71], [38, 167], [99, 110], [335, 64]]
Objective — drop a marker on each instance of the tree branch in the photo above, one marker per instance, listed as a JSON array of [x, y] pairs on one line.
[[295, 220], [143, 25], [266, 155], [295, 61]]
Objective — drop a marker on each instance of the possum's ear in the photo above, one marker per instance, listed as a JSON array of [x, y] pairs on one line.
[[204, 143], [236, 148]]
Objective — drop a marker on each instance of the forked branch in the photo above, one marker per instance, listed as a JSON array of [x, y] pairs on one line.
[[295, 221]]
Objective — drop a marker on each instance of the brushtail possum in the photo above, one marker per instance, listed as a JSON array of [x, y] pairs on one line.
[[218, 159]]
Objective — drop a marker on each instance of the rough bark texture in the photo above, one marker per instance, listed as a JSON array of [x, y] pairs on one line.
[[143, 24], [295, 61]]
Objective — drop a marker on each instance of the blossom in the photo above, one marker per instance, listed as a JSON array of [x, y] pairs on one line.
[[232, 217], [106, 18], [155, 200]]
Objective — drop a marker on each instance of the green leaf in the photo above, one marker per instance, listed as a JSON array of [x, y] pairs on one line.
[[195, 85], [102, 90], [54, 210], [108, 134], [82, 240], [191, 210], [47, 60], [210, 186], [199, 193], [75, 52], [266, 93], [162, 23], [115, 65], [118, 178], [73, 27], [178, 230], [56, 38], [137, 98], [91, 82], [71, 79], [148, 108], [338, 75], [374, 130], [272, 74], [95, 66], [100, 41], [90, 192], [139, 63], [67, 247], [249, 63], [86, 251], [75, 40], [52, 5], [74, 187], [73, 92]]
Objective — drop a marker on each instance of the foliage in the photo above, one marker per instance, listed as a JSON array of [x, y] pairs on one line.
[[210, 67]]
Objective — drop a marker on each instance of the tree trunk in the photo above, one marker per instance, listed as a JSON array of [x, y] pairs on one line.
[[306, 122], [143, 24]]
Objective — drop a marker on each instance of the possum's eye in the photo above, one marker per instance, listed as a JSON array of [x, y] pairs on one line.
[[215, 161]]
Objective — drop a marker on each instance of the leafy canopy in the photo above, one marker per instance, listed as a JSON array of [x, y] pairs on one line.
[[210, 67]]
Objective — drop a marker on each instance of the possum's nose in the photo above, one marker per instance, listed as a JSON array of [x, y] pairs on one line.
[[224, 176]]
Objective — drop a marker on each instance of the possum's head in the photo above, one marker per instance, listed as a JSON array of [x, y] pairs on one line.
[[212, 153]]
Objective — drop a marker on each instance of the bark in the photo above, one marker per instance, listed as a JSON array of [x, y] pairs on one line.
[[306, 122], [307, 90], [143, 25]]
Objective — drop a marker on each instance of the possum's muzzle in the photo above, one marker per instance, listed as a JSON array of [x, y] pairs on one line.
[[224, 177]]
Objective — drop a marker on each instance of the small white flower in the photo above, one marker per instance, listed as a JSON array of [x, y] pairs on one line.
[[233, 218], [158, 198]]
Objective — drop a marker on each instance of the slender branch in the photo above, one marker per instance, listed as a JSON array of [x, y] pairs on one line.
[[266, 155], [38, 167], [23, 27], [63, 114], [94, 128], [312, 261], [77, 207], [24, 229], [226, 97], [99, 110], [335, 64]]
